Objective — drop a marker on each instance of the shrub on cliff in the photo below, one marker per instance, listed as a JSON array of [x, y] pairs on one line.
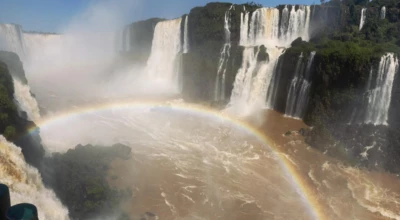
[[8, 110], [79, 178]]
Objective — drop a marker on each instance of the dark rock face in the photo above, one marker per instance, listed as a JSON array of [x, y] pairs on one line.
[[14, 64], [337, 105], [140, 39], [207, 37], [285, 71], [28, 138], [339, 74], [263, 55], [344, 58], [362, 145]]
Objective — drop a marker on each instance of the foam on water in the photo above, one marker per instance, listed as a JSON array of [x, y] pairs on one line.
[[26, 184], [25, 101]]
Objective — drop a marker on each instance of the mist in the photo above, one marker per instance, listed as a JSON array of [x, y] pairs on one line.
[[80, 66]]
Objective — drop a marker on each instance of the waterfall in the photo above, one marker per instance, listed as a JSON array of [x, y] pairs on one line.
[[275, 81], [298, 95], [284, 21], [244, 27], [26, 184], [379, 98], [264, 27], [369, 81], [263, 37], [383, 12], [11, 39], [298, 25], [25, 101], [36, 42], [363, 17], [253, 78], [163, 65], [186, 35], [220, 82]]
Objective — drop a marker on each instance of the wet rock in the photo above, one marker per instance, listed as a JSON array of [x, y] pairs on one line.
[[263, 54], [150, 214], [303, 132]]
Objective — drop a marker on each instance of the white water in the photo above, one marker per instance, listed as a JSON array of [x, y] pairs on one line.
[[363, 17], [284, 20], [26, 184], [163, 66], [299, 24], [253, 79], [186, 35], [220, 83], [369, 80], [244, 27], [11, 39], [26, 102], [36, 42], [264, 27], [383, 12], [297, 98], [380, 97]]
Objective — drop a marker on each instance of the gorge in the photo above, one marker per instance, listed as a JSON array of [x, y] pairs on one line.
[[232, 111]]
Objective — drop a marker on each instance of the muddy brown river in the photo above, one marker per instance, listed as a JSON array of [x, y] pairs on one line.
[[191, 163]]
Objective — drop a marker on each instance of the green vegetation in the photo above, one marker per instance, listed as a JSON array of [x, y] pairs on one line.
[[342, 64], [345, 56], [79, 178], [8, 110]]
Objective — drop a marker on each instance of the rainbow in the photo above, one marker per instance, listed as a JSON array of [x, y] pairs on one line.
[[297, 181]]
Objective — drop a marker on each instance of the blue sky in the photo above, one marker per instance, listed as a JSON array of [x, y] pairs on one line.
[[52, 15]]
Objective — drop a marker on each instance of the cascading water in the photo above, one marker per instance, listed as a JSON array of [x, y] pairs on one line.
[[253, 80], [219, 92], [25, 101], [369, 80], [11, 39], [275, 82], [163, 66], [383, 12], [297, 99], [26, 184], [363, 17], [284, 20], [264, 27], [253, 76], [186, 35], [380, 97], [298, 24], [35, 42], [244, 27]]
